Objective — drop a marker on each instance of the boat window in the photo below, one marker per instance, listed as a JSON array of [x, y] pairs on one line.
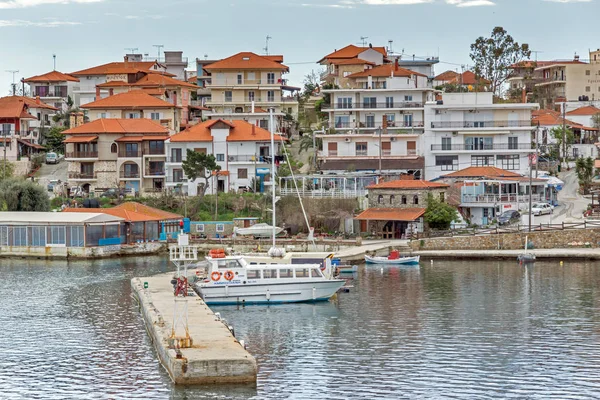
[[253, 274], [269, 273], [315, 273], [252, 263], [302, 273], [228, 264], [285, 273]]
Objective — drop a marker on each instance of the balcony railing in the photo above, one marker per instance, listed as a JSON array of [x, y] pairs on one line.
[[480, 147], [386, 105], [249, 158], [481, 124], [154, 152], [82, 154], [499, 198], [82, 175], [176, 159], [155, 172], [175, 179], [130, 153], [130, 174]]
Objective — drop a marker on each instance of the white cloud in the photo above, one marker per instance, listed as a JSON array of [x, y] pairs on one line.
[[569, 1], [45, 24], [470, 3], [343, 5], [393, 2], [4, 4]]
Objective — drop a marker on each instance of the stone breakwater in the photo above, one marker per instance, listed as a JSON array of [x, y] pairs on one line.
[[215, 356]]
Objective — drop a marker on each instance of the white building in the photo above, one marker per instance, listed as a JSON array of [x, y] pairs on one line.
[[241, 149], [469, 129], [53, 88]]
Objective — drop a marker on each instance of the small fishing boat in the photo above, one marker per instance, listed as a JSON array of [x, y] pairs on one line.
[[347, 269], [259, 230], [526, 257], [393, 259]]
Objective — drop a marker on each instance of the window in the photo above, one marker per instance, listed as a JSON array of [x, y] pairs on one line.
[[220, 157], [103, 115], [242, 173], [270, 95], [392, 199], [131, 149], [386, 148], [361, 148], [57, 235], [447, 163], [315, 273], [301, 273], [250, 96], [200, 228], [176, 155], [3, 235], [20, 236], [389, 102], [252, 274], [228, 96], [408, 98], [131, 170], [286, 273], [509, 161], [587, 71], [390, 119], [155, 116], [177, 175], [479, 143], [220, 228], [446, 143], [482, 161], [344, 102], [269, 274], [380, 199], [239, 79], [346, 73], [370, 102], [403, 199], [370, 121], [442, 197], [251, 76], [415, 199], [113, 148], [38, 236], [342, 121], [270, 78], [76, 236], [156, 147], [332, 149], [588, 89], [132, 115], [408, 119], [513, 142]]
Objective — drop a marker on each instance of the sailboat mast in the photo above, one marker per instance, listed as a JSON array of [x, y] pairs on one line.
[[271, 125]]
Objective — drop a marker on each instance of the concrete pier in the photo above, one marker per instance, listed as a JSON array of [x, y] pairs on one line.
[[215, 356]]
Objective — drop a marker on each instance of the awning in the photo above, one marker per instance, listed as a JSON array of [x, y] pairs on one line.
[[391, 214], [220, 173], [32, 145], [130, 139], [80, 139]]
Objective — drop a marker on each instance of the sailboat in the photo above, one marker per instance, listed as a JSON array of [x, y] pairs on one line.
[[273, 278], [526, 257]]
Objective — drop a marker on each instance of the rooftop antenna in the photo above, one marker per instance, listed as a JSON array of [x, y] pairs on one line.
[[158, 46], [363, 41], [14, 85], [266, 49], [54, 59], [536, 54], [131, 49], [206, 56]]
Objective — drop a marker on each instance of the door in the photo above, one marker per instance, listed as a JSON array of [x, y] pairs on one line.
[[220, 185], [411, 148], [332, 149], [386, 148]]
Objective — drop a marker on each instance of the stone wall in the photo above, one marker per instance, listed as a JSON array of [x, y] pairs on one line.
[[511, 241], [396, 200]]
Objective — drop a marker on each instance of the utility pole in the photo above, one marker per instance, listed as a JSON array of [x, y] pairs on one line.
[[314, 139], [158, 46], [14, 85], [271, 122], [379, 130], [564, 133], [530, 184], [537, 148]]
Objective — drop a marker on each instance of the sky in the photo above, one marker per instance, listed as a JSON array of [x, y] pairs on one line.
[[85, 33]]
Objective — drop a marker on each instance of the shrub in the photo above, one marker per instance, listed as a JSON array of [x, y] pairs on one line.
[[23, 195]]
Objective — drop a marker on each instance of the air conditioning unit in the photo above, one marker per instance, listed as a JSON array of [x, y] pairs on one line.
[[231, 158], [347, 140], [401, 112], [454, 133], [437, 112], [392, 139]]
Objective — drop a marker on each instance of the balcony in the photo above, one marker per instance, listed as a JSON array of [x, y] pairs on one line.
[[154, 173], [123, 153], [176, 160], [325, 74], [482, 147], [82, 176], [128, 174], [175, 179], [371, 106], [249, 159], [499, 198], [480, 124], [81, 155], [148, 151]]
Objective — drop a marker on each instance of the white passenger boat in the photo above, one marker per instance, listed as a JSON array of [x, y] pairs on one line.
[[259, 231], [393, 261], [233, 280]]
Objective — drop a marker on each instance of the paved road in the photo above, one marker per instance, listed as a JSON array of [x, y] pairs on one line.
[[51, 172]]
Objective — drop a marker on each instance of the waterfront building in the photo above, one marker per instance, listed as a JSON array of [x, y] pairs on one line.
[[585, 137], [136, 105], [117, 153], [57, 234], [53, 88], [23, 123], [246, 85], [396, 208], [469, 129], [242, 149], [141, 223]]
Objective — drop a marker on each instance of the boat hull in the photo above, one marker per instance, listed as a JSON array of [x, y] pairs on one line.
[[292, 292], [397, 261]]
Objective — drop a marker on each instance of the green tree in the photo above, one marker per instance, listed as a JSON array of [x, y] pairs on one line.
[[562, 145], [493, 57], [596, 121], [306, 142], [439, 215], [584, 168], [200, 165], [7, 169], [23, 195], [54, 140]]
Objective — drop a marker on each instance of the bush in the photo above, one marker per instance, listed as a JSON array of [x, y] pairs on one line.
[[439, 215], [37, 160], [23, 195], [10, 169]]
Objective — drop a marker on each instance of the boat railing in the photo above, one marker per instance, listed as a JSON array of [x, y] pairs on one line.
[[183, 253]]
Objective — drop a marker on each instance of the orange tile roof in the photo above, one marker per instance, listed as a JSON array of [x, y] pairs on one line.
[[121, 67], [118, 125], [352, 51], [18, 107], [596, 163], [133, 100], [586, 110], [446, 76], [277, 58], [246, 60], [148, 211], [141, 138], [550, 118], [482, 172], [351, 61], [193, 79], [241, 131], [150, 80], [391, 214], [530, 64], [80, 139], [52, 76], [385, 70], [131, 212], [408, 184]]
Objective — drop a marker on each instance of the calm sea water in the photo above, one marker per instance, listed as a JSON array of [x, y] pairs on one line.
[[457, 329]]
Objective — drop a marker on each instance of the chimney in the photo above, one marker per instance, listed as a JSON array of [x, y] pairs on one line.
[[79, 119], [576, 58], [72, 120], [396, 64], [253, 130], [252, 108], [37, 100], [126, 61], [523, 96], [97, 93]]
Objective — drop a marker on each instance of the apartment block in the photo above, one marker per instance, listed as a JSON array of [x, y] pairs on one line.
[[53, 88]]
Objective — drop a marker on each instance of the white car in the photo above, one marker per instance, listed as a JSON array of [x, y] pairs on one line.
[[541, 208]]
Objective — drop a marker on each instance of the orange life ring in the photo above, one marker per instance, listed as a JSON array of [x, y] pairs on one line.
[[215, 276], [229, 275]]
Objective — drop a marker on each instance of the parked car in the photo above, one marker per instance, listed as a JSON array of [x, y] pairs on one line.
[[114, 193], [76, 191], [52, 184], [51, 158], [508, 217], [541, 208]]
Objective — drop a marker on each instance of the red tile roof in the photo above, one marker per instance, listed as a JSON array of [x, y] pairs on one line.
[[18, 107], [549, 118], [446, 76], [119, 126], [482, 172], [122, 67], [391, 214], [52, 76], [80, 139], [240, 131], [246, 60], [408, 184], [141, 138], [132, 212], [352, 51], [385, 70], [150, 81], [466, 78], [133, 100], [586, 110], [351, 61]]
